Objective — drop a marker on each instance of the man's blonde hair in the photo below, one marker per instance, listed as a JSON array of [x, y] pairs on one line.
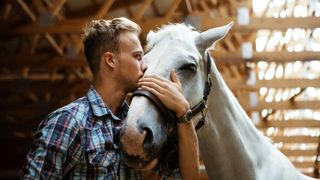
[[103, 35]]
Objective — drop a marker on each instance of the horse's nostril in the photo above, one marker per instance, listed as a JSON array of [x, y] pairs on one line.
[[151, 144], [149, 138], [148, 141]]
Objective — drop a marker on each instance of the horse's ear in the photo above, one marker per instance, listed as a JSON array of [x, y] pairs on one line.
[[150, 35], [207, 38]]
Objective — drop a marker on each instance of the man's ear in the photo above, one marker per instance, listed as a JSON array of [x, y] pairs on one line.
[[109, 59]]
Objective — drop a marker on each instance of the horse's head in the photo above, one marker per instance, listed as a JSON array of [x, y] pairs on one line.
[[173, 47]]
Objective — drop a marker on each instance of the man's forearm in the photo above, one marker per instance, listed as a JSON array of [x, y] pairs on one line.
[[188, 151]]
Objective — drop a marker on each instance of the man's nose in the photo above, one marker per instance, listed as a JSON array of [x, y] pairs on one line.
[[144, 66]]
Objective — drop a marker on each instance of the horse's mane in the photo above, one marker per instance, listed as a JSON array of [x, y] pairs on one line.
[[177, 31]]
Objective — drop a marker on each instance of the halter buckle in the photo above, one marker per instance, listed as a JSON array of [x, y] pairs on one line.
[[204, 111]]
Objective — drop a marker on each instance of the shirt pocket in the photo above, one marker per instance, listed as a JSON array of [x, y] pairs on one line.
[[99, 148]]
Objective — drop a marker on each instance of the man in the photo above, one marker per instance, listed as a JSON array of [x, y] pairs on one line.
[[79, 141]]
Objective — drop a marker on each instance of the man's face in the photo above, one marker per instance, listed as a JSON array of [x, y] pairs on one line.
[[130, 67]]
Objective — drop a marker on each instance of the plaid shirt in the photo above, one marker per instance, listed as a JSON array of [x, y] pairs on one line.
[[79, 141]]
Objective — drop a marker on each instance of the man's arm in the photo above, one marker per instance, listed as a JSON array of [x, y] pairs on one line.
[[47, 157], [171, 95]]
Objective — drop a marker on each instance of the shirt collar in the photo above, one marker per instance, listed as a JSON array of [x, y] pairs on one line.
[[99, 108]]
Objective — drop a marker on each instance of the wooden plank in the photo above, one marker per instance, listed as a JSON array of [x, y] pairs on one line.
[[204, 6], [173, 7], [220, 58], [41, 87], [27, 10], [43, 61], [281, 56], [311, 174], [76, 25], [103, 10], [295, 139], [188, 5], [143, 8], [299, 152], [44, 76], [32, 16], [60, 62], [305, 164], [314, 105], [57, 7], [53, 43], [274, 83], [207, 21], [290, 124], [34, 109]]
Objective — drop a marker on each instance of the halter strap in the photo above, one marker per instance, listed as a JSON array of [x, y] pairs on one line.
[[156, 101], [202, 106], [208, 83]]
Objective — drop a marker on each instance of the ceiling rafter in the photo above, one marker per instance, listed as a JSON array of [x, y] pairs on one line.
[[34, 18], [76, 25], [143, 8]]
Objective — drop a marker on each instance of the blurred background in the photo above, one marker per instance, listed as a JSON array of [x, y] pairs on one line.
[[270, 60]]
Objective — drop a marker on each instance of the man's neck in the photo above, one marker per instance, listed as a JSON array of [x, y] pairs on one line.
[[111, 94]]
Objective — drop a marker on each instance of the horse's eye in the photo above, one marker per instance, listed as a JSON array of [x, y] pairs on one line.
[[188, 67]]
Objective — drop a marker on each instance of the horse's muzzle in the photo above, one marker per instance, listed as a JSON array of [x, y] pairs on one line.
[[138, 145]]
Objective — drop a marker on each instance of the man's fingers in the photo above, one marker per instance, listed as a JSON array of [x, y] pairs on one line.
[[152, 90], [174, 77], [152, 85], [153, 80], [159, 78]]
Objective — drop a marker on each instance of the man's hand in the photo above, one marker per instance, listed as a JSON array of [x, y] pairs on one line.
[[169, 92], [171, 95]]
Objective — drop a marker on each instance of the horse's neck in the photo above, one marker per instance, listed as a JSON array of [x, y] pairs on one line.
[[230, 145]]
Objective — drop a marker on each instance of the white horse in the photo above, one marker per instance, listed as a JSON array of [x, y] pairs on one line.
[[230, 145]]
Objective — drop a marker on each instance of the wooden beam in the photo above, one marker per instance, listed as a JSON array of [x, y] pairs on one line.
[[288, 152], [46, 76], [290, 124], [34, 18], [10, 86], [304, 164], [57, 7], [220, 58], [53, 43], [42, 61], [172, 8], [103, 10], [207, 22], [76, 25], [143, 8], [281, 56], [34, 109], [311, 174], [314, 105], [41, 87], [204, 6], [188, 5], [27, 10], [295, 139], [236, 84]]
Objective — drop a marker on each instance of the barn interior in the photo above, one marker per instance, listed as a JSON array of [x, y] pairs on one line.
[[270, 60]]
